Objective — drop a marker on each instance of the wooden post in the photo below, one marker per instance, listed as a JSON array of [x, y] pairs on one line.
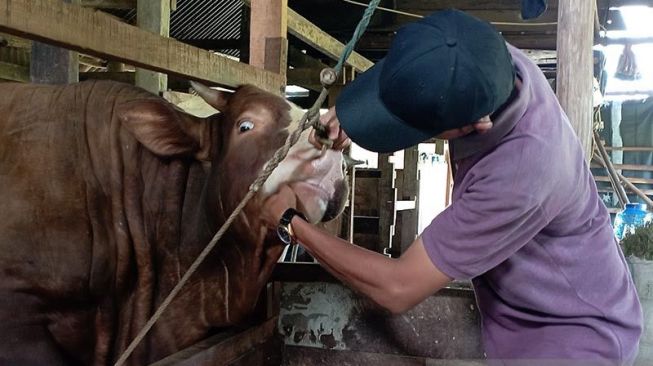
[[114, 66], [387, 199], [268, 45], [53, 65], [574, 76], [153, 16], [410, 192], [449, 184]]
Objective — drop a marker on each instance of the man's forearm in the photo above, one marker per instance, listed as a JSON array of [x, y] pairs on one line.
[[364, 270]]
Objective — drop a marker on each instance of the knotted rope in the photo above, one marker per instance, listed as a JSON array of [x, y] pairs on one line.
[[310, 118]]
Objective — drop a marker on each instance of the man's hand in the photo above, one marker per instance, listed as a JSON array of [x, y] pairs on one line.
[[481, 126], [335, 133], [275, 205]]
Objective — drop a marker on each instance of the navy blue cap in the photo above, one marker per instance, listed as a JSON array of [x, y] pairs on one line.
[[444, 71]]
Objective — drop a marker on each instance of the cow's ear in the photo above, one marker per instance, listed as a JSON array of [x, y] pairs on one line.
[[215, 98], [165, 130]]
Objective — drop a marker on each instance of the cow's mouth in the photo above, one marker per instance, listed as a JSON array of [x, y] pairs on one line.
[[312, 199], [318, 203]]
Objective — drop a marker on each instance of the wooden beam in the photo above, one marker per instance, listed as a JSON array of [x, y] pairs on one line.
[[109, 4], [433, 5], [12, 72], [102, 35], [310, 78], [91, 61], [541, 56], [499, 4], [625, 40], [153, 16], [575, 67], [219, 350], [308, 32], [214, 44], [533, 41], [603, 4], [129, 77], [382, 41], [299, 59], [8, 40]]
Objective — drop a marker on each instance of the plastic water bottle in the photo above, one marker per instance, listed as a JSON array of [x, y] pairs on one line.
[[633, 216]]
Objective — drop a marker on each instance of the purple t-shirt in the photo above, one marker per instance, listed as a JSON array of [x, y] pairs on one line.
[[528, 227]]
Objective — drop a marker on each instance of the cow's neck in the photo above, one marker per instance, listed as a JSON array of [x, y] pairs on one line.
[[224, 289]]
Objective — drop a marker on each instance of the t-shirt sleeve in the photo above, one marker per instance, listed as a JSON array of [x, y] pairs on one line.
[[480, 230]]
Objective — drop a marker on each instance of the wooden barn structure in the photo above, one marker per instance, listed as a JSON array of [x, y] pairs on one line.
[[305, 315]]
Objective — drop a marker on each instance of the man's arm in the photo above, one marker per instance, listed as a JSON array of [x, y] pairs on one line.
[[395, 284]]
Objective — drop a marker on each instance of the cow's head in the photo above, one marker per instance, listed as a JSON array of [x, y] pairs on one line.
[[253, 125], [235, 145]]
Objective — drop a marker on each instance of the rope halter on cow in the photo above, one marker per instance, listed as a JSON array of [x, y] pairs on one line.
[[310, 119]]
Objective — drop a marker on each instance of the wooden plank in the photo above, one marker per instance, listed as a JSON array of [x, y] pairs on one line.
[[129, 77], [648, 192], [433, 5], [153, 16], [646, 168], [501, 19], [499, 4], [575, 67], [98, 34], [12, 72], [603, 178], [629, 148], [217, 351], [109, 4], [301, 356], [381, 41]]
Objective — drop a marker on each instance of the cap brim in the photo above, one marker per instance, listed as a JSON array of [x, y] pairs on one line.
[[367, 121]]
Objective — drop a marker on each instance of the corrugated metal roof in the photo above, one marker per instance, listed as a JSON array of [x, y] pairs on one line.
[[201, 20], [206, 19]]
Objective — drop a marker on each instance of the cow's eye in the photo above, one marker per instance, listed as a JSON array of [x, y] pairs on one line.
[[245, 126]]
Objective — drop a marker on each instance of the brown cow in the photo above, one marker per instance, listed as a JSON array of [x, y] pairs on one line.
[[108, 193]]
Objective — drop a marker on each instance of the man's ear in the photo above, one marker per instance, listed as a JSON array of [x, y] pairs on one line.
[[165, 130], [215, 98]]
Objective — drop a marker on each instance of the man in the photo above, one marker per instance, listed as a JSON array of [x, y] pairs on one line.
[[526, 224]]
